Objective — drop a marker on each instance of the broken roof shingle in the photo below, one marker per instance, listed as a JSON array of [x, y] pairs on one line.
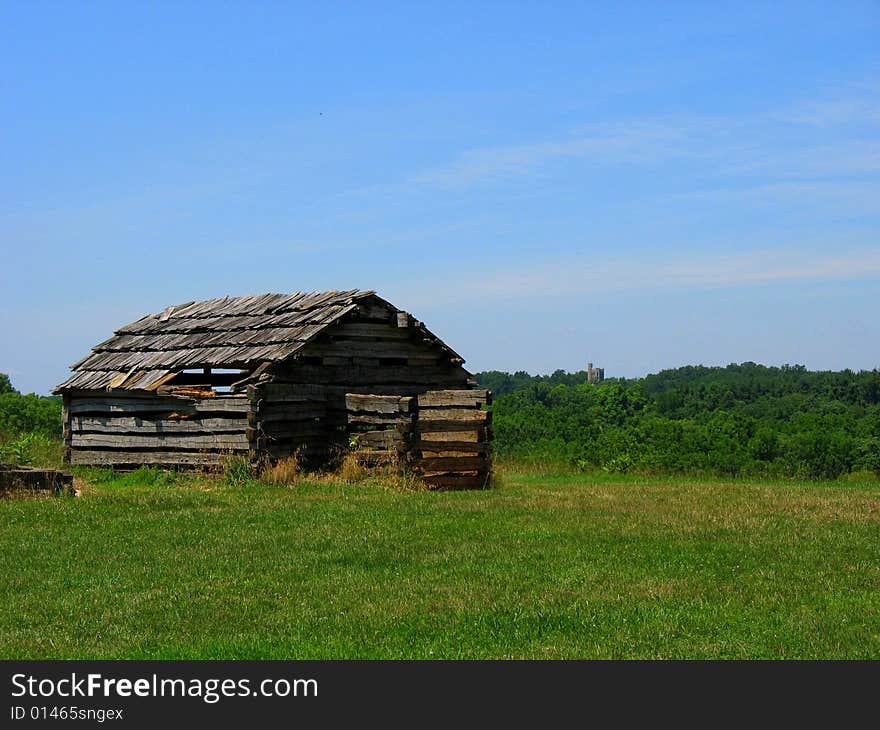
[[224, 333]]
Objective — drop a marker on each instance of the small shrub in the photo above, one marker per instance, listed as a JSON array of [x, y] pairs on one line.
[[32, 448], [17, 451]]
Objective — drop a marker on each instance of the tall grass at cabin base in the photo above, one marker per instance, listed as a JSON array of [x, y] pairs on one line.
[[158, 565]]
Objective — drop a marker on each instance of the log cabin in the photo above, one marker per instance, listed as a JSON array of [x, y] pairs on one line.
[[312, 375]]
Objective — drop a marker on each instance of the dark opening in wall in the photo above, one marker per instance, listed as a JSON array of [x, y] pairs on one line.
[[218, 379]]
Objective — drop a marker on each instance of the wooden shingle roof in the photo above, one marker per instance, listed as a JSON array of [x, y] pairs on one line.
[[232, 332]]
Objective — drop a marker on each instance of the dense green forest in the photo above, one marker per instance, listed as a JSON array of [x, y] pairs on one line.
[[739, 420]]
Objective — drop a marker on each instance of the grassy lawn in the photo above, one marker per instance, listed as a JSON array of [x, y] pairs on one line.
[[545, 566]]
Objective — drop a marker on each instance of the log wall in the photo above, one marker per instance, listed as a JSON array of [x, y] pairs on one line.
[[308, 405], [380, 427], [125, 431], [443, 437], [450, 446], [375, 353], [287, 419]]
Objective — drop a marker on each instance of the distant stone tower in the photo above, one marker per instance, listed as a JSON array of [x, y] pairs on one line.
[[595, 375]]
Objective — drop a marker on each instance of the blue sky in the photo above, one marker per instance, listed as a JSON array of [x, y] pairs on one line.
[[643, 185]]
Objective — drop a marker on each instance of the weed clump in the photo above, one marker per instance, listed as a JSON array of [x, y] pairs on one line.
[[283, 472], [31, 448], [237, 470], [351, 470]]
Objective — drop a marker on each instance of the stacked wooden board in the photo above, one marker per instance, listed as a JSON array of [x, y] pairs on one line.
[[126, 431], [29, 479], [379, 427], [451, 439], [290, 419], [319, 424], [443, 437]]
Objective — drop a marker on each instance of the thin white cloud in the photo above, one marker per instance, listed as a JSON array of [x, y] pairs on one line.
[[625, 141], [760, 142], [851, 195], [859, 105], [587, 278]]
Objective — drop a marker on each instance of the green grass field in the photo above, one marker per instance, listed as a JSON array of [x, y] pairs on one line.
[[544, 566]]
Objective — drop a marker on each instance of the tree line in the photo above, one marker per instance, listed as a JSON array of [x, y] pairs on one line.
[[20, 413], [740, 420]]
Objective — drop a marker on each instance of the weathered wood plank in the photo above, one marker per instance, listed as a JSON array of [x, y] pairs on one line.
[[290, 401], [287, 392], [454, 414], [454, 398], [377, 419], [336, 391], [405, 427], [132, 406], [361, 362], [65, 419], [374, 330], [367, 310], [91, 457], [291, 412], [127, 424], [451, 463], [418, 362], [186, 391], [450, 448], [368, 377], [29, 479], [377, 439], [425, 427], [477, 435], [376, 457], [364, 348], [304, 448], [127, 405], [160, 441], [287, 429], [388, 404], [456, 481]]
